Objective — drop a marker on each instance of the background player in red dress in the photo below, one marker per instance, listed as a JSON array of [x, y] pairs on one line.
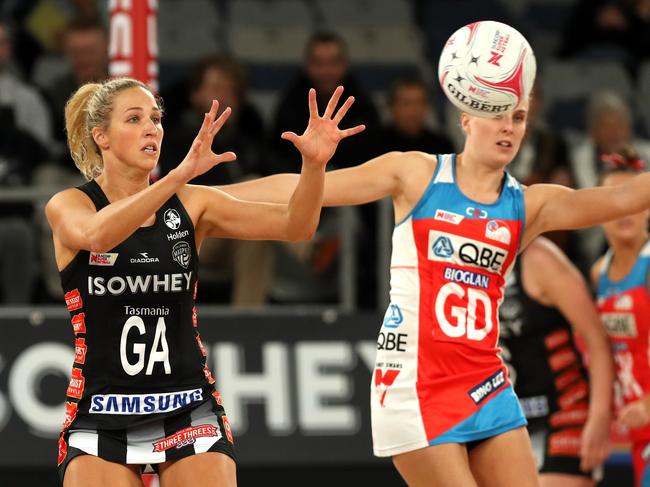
[[622, 283]]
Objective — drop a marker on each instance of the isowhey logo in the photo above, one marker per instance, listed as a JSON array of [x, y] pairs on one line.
[[182, 253], [172, 219]]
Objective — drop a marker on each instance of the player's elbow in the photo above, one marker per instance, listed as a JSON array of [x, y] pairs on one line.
[[301, 234]]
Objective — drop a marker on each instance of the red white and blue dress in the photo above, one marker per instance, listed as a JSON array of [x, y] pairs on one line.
[[438, 377], [624, 308]]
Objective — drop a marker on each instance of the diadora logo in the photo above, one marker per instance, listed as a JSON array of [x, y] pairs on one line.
[[476, 212], [448, 216], [499, 231], [172, 219], [393, 317], [442, 247], [107, 259], [465, 251], [144, 259]]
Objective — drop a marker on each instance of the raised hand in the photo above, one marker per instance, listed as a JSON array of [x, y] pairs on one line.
[[200, 157], [322, 135]]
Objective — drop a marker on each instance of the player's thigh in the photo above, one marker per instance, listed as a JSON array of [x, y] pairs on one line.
[[202, 469], [88, 470], [444, 465], [564, 480], [504, 460]]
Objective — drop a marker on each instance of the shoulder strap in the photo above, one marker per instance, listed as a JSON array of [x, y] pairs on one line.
[[95, 193]]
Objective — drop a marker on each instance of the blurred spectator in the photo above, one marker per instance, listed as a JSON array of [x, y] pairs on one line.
[[543, 158], [24, 141], [609, 28], [410, 109], [326, 66], [543, 155], [218, 78], [609, 122], [246, 263], [312, 268], [85, 47], [26, 133]]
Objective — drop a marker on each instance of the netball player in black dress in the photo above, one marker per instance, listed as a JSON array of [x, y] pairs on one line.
[[141, 393]]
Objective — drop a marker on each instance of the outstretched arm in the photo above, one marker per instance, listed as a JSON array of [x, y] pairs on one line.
[[554, 281], [553, 207], [371, 181]]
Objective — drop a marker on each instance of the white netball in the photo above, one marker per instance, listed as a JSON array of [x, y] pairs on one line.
[[486, 68]]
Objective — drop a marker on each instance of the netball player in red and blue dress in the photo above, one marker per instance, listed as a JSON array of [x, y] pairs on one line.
[[622, 284], [442, 404], [141, 392]]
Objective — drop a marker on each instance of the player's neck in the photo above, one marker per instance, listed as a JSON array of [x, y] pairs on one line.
[[478, 180], [627, 251], [118, 184]]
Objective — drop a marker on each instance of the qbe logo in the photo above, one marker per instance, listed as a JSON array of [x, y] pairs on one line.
[[463, 251]]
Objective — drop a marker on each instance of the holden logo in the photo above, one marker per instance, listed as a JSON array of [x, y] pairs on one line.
[[181, 253], [172, 219]]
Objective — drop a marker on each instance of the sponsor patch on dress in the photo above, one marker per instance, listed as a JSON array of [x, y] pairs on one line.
[[486, 388]]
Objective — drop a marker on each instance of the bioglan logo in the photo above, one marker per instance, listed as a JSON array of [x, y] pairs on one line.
[[466, 277], [172, 219], [144, 259], [102, 259]]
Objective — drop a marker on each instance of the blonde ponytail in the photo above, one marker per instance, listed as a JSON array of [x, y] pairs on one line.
[[89, 107]]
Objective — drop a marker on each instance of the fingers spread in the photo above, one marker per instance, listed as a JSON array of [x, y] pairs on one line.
[[290, 136], [313, 108], [352, 131], [334, 100], [343, 110], [227, 157], [218, 123]]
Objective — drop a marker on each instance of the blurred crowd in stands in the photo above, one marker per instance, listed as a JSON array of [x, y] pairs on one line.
[[592, 98]]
